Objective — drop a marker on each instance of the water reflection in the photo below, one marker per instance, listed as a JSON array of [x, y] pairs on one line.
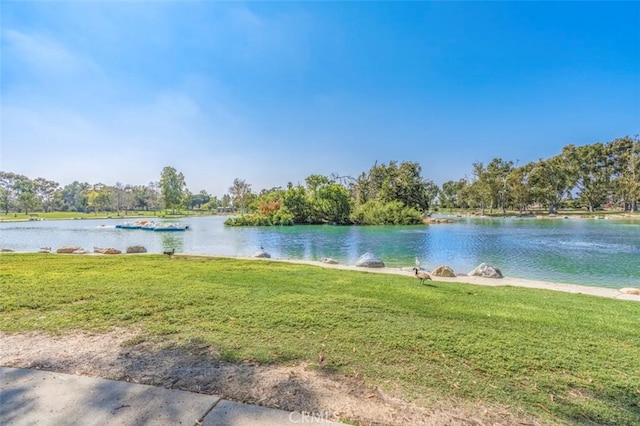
[[173, 241], [599, 252]]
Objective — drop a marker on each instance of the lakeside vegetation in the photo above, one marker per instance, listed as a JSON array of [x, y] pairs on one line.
[[589, 177], [21, 217], [560, 357]]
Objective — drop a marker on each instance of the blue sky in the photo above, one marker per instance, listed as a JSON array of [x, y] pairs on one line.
[[272, 92]]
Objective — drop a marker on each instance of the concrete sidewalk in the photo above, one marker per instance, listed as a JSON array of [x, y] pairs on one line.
[[30, 397]]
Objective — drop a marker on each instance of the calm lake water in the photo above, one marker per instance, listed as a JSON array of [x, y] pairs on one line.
[[591, 252]]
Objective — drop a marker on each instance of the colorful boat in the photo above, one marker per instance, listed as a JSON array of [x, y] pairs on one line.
[[153, 226], [164, 227], [129, 225]]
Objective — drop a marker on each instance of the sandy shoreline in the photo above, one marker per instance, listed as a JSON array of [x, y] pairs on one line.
[[506, 281]]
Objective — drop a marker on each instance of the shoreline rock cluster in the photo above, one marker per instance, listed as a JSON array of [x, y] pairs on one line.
[[96, 250]]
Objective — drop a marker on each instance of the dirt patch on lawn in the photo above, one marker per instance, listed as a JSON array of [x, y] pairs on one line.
[[124, 355]]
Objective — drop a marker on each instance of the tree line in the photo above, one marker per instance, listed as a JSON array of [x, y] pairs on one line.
[[599, 175], [590, 176], [18, 193]]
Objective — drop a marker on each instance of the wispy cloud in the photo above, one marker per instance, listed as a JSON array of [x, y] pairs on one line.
[[256, 37], [41, 54]]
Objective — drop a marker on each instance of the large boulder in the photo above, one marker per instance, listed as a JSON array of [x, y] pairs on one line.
[[630, 290], [136, 249], [443, 271], [262, 254], [369, 260], [68, 249], [111, 250], [487, 271]]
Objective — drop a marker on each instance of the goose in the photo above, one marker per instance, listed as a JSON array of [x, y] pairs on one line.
[[170, 253], [421, 275]]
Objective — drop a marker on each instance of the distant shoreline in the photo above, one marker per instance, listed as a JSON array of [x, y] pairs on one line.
[[608, 215]]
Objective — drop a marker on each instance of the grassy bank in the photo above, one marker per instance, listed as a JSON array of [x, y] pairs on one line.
[[561, 357], [572, 213]]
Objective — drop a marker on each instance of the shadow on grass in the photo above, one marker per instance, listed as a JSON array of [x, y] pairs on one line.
[[585, 407]]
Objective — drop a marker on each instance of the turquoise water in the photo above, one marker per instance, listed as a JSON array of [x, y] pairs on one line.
[[591, 252]]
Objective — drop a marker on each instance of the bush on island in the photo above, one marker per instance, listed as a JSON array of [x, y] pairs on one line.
[[375, 212], [282, 219]]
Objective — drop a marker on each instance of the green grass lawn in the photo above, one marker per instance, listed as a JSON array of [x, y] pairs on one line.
[[560, 357], [70, 215], [131, 215]]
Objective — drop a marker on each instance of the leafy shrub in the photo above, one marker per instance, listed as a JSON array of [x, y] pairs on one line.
[[375, 212], [279, 218]]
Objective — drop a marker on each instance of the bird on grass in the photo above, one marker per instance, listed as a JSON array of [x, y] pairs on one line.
[[169, 253], [421, 275]]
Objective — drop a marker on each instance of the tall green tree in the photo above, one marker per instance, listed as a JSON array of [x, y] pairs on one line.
[[497, 172], [297, 203], [330, 202], [551, 181], [452, 194], [241, 195], [45, 190], [199, 199], [8, 194], [26, 196], [173, 188], [519, 186], [592, 169], [100, 198], [480, 191], [74, 196], [225, 202], [395, 182], [625, 157]]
